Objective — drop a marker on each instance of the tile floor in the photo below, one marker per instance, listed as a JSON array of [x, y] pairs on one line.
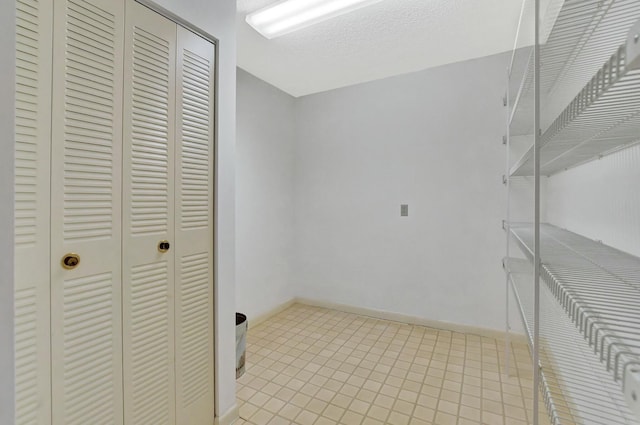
[[310, 365]]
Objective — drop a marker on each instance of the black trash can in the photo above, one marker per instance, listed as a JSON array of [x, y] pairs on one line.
[[241, 343]]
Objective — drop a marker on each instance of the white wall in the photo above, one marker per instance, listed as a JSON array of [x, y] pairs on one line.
[[264, 202], [7, 141], [600, 200], [218, 19], [433, 140]]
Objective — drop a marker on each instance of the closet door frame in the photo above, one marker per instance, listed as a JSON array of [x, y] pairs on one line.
[[191, 27], [46, 332]]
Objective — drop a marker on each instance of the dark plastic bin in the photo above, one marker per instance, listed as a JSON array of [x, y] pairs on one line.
[[241, 343]]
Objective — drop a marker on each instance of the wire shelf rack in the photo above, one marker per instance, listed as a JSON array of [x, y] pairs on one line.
[[603, 117], [575, 386], [576, 95], [578, 37], [598, 287], [589, 51]]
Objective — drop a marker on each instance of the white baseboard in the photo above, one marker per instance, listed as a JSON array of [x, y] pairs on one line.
[[258, 320], [229, 418], [412, 320], [386, 315]]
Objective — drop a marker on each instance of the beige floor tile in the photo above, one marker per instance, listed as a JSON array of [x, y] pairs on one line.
[[309, 389], [407, 395], [451, 396], [261, 417], [349, 390], [378, 413], [443, 418], [384, 401], [470, 413], [247, 410], [325, 394], [490, 418], [448, 407], [423, 413], [300, 400], [471, 390], [278, 420], [403, 406], [313, 366], [397, 418], [431, 390], [389, 390], [333, 385], [494, 407], [416, 421], [471, 401], [372, 385], [360, 407], [259, 399], [274, 405], [351, 418], [366, 395], [245, 393], [451, 385], [289, 411], [325, 421], [513, 400], [394, 381], [411, 386], [342, 400], [514, 412], [316, 406], [306, 418], [333, 412], [271, 389], [257, 383]]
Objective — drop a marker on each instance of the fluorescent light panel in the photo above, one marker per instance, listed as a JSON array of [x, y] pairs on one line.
[[287, 16]]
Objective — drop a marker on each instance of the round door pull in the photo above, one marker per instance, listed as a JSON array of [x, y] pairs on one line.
[[163, 246], [70, 261]]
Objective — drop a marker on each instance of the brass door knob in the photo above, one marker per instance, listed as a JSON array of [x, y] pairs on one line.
[[70, 261], [163, 246]]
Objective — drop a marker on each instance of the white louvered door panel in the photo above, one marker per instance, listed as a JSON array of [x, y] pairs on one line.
[[148, 217], [194, 229], [86, 170], [32, 160]]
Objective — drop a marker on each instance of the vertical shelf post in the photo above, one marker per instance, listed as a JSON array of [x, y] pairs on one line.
[[536, 224], [507, 343]]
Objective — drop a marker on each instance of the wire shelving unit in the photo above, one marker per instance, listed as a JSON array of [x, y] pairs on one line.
[[590, 318], [573, 392], [577, 37], [605, 114], [574, 93]]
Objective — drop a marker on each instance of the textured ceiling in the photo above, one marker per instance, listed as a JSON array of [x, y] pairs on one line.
[[388, 38]]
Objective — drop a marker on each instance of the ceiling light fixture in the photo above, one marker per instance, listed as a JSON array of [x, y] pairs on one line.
[[287, 16]]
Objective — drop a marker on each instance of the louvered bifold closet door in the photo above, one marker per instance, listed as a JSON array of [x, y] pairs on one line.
[[86, 174], [148, 217], [33, 142], [194, 229]]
